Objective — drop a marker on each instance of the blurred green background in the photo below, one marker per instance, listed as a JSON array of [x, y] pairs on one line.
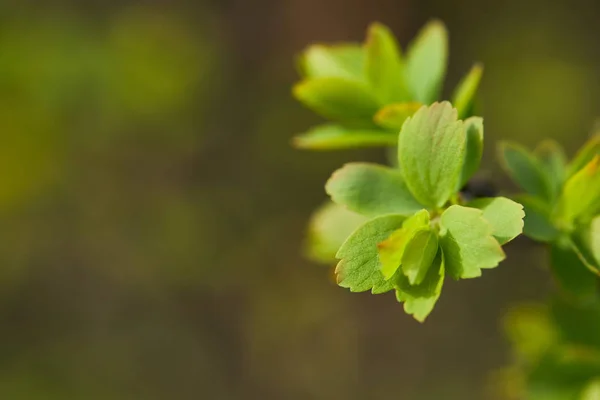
[[153, 212]]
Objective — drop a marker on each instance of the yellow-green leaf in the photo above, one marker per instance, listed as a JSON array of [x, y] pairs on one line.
[[464, 94]]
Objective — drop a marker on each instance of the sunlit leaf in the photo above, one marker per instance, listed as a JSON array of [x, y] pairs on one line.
[[393, 116], [504, 215], [585, 155], [336, 137], [464, 94], [418, 255], [581, 195], [338, 61], [474, 149]]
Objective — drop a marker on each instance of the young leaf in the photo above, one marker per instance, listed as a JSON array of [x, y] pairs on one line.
[[431, 149], [328, 228], [383, 65], [358, 268], [391, 250], [371, 190], [538, 224], [418, 255], [553, 161], [474, 149], [581, 194], [504, 215], [426, 62], [467, 241], [585, 155], [338, 99], [336, 137], [571, 274], [525, 170], [341, 61], [419, 300], [393, 116], [465, 92]]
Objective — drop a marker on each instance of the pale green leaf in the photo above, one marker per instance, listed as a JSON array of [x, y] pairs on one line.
[[392, 249], [371, 190], [338, 61], [525, 170], [581, 195], [467, 241], [464, 94], [589, 150], [474, 149], [418, 255], [553, 161], [384, 68], [336, 137], [431, 149], [426, 62], [393, 116], [504, 215], [338, 99], [538, 224], [358, 268], [419, 300], [328, 228]]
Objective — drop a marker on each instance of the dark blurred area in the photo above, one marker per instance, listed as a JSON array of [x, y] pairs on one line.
[[153, 211]]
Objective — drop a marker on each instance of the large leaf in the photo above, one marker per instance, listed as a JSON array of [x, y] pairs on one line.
[[553, 161], [465, 92], [340, 61], [538, 224], [391, 250], [371, 190], [431, 149], [358, 268], [426, 62], [585, 155], [571, 274], [474, 149], [393, 116], [525, 170], [467, 241], [336, 137], [419, 300], [384, 68], [504, 215], [329, 226], [581, 194], [338, 99]]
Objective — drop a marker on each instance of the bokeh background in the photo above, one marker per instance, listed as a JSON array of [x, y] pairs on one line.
[[153, 212]]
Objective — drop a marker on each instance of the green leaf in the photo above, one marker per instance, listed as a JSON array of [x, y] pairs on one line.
[[525, 170], [592, 390], [340, 61], [581, 194], [589, 150], [418, 255], [358, 269], [419, 300], [504, 215], [431, 149], [328, 228], [393, 116], [474, 149], [336, 137], [426, 62], [571, 274], [538, 224], [467, 241], [391, 250], [465, 92], [384, 68], [553, 161], [371, 190], [338, 99], [586, 243]]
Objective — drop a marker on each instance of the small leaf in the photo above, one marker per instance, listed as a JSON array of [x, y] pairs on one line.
[[467, 241], [538, 224], [525, 170], [340, 61], [589, 150], [328, 228], [384, 68], [553, 161], [338, 99], [571, 274], [392, 249], [581, 194], [431, 149], [474, 149], [358, 268], [465, 92], [336, 137], [418, 255], [393, 116], [419, 300], [371, 190], [504, 215], [426, 62]]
